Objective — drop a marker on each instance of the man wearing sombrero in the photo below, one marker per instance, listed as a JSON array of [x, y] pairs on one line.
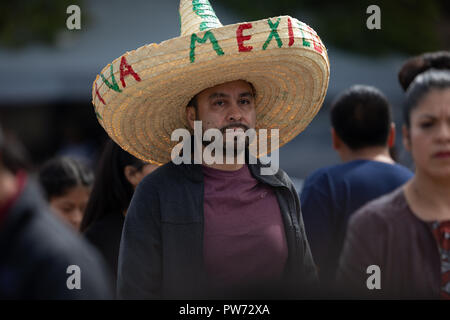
[[217, 230]]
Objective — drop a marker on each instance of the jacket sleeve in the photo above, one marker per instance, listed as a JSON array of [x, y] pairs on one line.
[[139, 267]]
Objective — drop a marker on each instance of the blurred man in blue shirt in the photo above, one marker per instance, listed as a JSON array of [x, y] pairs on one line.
[[362, 133]]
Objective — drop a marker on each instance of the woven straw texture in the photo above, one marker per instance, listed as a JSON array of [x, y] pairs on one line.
[[291, 80]]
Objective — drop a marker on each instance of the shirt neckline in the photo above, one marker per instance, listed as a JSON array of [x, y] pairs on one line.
[[223, 173]]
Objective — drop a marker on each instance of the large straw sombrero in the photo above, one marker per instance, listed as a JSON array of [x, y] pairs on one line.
[[140, 98]]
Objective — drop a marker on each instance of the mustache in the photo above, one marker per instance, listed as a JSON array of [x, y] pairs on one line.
[[234, 125]]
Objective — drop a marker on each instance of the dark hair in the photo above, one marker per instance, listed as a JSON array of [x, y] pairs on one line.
[[193, 102], [361, 117], [1, 137], [14, 156], [419, 64], [60, 174], [422, 84], [112, 192]]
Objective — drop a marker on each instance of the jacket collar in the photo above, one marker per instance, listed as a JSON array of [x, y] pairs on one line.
[[274, 180], [194, 172]]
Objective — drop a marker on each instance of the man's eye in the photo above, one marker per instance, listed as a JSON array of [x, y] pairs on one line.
[[67, 210], [219, 103], [66, 207], [426, 125], [245, 101]]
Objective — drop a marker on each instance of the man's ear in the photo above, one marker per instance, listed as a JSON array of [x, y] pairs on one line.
[[191, 115], [336, 141], [406, 138], [130, 174], [391, 136]]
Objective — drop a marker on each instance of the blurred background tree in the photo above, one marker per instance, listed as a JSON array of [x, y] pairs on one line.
[[407, 26], [25, 22]]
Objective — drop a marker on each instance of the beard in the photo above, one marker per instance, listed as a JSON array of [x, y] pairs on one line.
[[235, 142]]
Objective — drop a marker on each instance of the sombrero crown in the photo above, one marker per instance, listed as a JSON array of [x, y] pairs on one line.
[[140, 98]]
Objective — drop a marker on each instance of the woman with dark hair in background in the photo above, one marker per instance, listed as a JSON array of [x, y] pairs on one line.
[[118, 174], [439, 60], [405, 235], [414, 66], [67, 184]]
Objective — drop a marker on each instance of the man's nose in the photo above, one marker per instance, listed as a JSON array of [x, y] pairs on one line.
[[234, 112]]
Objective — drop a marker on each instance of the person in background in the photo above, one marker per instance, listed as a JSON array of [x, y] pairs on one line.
[[67, 184], [406, 233], [36, 249], [362, 132], [118, 174], [414, 66]]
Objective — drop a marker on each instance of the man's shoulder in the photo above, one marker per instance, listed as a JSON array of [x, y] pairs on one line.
[[166, 173], [283, 176], [359, 170], [167, 180], [271, 176], [389, 168], [325, 175]]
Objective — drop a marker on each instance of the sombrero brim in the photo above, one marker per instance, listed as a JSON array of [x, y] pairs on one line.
[[290, 81]]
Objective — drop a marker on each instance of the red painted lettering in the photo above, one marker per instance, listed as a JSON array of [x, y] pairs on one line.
[[129, 70], [241, 38], [291, 32], [316, 45], [98, 94]]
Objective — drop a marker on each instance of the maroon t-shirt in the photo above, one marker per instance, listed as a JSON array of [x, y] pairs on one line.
[[244, 238]]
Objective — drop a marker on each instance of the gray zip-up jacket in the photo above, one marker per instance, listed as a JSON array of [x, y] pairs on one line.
[[161, 250]]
